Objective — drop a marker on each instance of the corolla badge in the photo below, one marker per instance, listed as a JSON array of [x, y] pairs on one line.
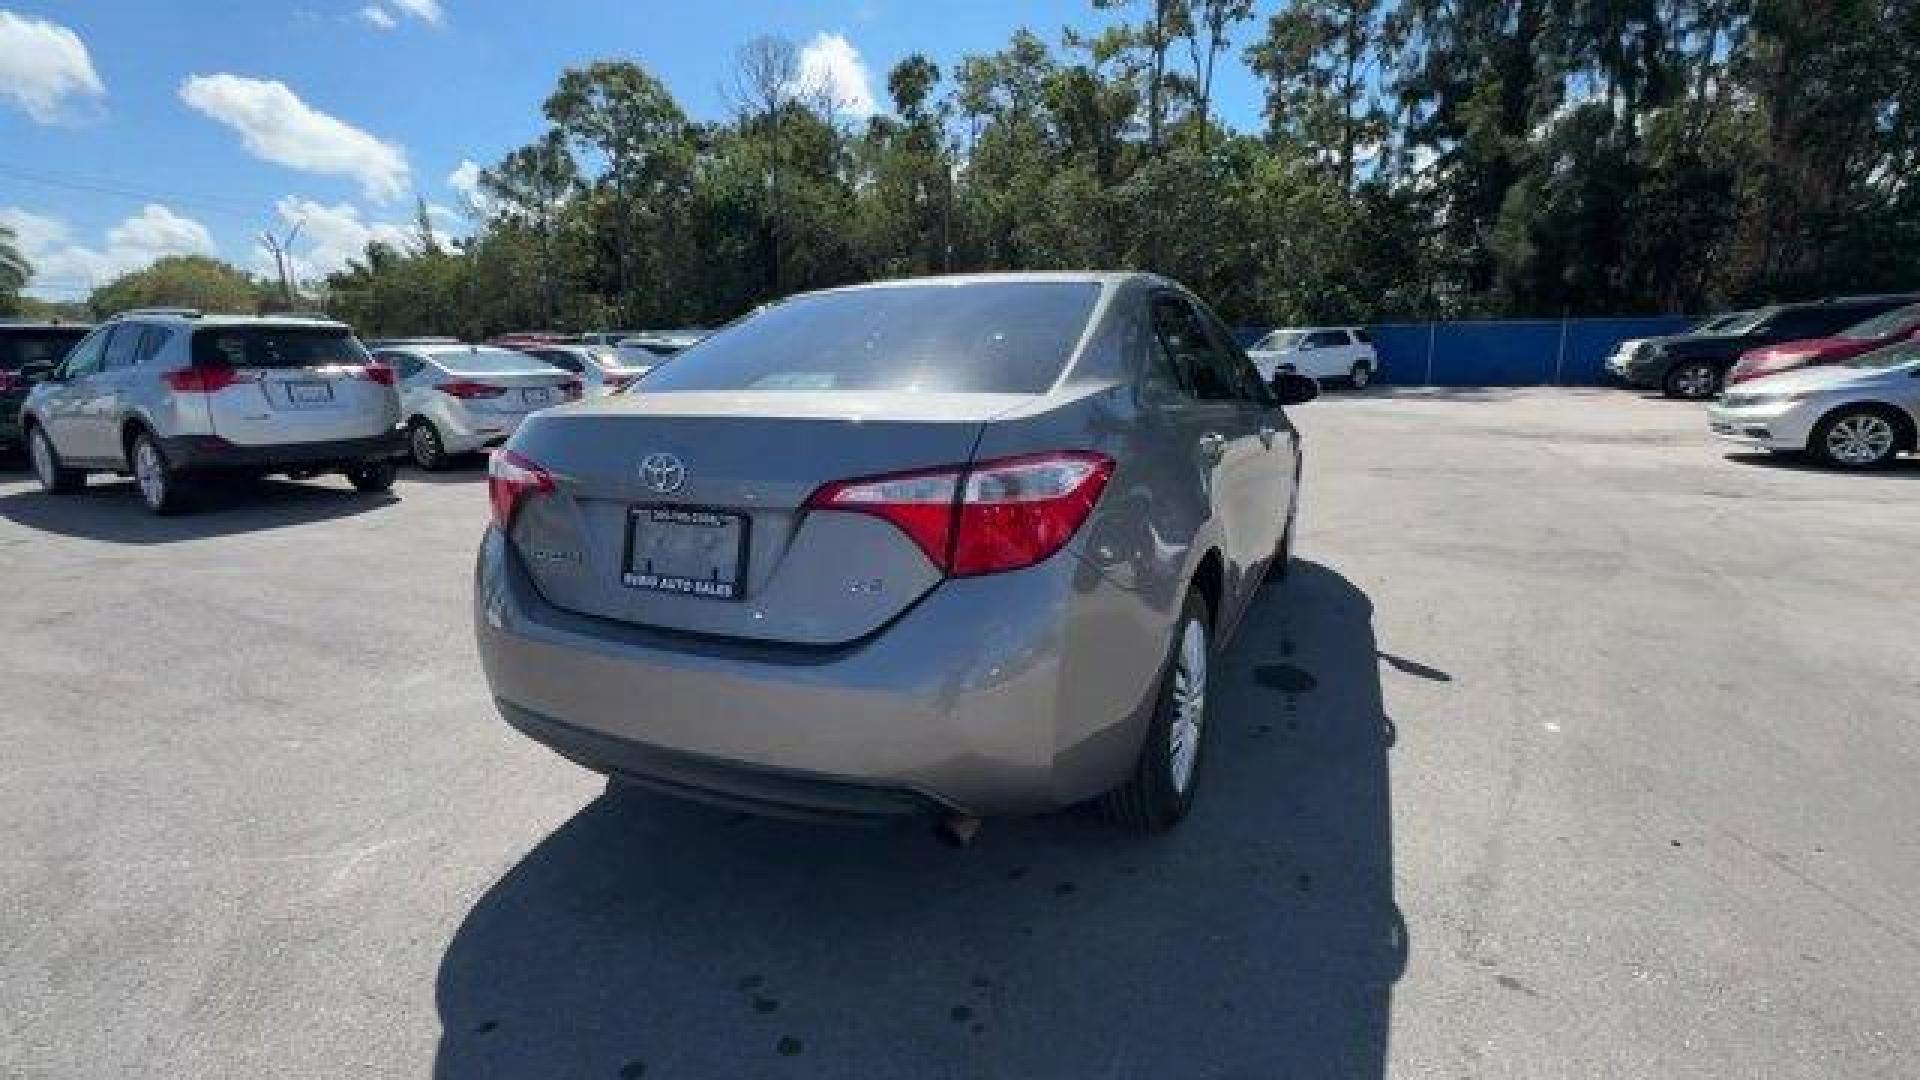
[[663, 473]]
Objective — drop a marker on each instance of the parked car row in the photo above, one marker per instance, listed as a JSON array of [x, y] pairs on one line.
[[1837, 379], [1739, 346]]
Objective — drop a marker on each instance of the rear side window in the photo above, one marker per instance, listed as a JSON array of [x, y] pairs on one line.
[[275, 346], [1363, 337], [37, 345], [1326, 339], [123, 346], [975, 337]]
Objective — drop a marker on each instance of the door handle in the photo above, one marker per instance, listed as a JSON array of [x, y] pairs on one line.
[[1213, 446]]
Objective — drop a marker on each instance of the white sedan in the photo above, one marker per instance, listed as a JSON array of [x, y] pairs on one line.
[[1324, 352]]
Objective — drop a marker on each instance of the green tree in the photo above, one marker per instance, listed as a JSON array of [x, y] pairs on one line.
[[15, 270], [193, 281]]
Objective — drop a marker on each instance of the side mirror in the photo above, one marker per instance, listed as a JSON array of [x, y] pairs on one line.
[[1293, 388], [39, 371]]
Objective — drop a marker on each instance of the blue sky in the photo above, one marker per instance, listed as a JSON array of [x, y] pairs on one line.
[[131, 129]]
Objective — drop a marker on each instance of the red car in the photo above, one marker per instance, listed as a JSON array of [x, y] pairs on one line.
[[1886, 328]]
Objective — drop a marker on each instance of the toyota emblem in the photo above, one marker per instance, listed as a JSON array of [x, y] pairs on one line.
[[663, 473]]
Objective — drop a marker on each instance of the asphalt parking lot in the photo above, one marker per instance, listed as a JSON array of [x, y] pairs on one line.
[[1577, 746]]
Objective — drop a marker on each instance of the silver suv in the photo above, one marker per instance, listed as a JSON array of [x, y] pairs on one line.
[[171, 396]]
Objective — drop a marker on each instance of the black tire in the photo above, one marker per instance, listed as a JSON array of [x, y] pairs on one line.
[[162, 488], [1361, 375], [54, 478], [1692, 380], [1151, 800], [425, 446], [372, 476], [1860, 437]]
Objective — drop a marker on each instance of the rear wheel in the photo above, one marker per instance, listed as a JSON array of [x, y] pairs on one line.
[[1361, 375], [1165, 777], [425, 446], [371, 476], [1858, 437], [54, 477], [1694, 380], [161, 489]]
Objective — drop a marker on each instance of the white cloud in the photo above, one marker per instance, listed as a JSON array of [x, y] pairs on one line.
[[377, 17], [329, 236], [465, 179], [830, 64], [42, 66], [276, 125], [65, 268], [427, 11]]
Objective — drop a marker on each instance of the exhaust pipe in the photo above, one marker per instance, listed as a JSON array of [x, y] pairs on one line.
[[957, 831]]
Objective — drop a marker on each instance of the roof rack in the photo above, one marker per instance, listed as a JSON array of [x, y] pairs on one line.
[[177, 312]]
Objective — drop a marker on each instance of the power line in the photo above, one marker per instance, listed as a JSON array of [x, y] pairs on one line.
[[215, 204]]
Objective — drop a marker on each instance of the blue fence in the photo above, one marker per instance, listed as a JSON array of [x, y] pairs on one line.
[[1556, 352]]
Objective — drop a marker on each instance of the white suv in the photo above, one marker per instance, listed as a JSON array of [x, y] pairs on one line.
[[171, 397], [1322, 352]]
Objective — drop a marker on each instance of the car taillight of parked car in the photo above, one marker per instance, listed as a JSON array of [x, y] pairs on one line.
[[207, 380], [511, 478], [986, 518], [12, 382], [573, 388], [377, 372], [467, 391]]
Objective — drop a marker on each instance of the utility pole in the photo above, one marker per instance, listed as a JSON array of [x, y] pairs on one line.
[[282, 248]]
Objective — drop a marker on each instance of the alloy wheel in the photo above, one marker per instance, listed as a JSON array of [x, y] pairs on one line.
[[1861, 439], [44, 469], [1189, 705], [150, 472], [1694, 381]]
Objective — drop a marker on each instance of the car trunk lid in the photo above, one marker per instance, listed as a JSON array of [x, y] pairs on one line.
[[686, 511]]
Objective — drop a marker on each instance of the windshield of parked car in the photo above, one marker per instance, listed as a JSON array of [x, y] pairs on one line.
[[482, 359], [1280, 339], [40, 345], [275, 346], [1886, 324], [1737, 323], [1900, 352], [951, 337]]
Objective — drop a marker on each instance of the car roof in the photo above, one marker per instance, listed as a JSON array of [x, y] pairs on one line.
[[185, 318]]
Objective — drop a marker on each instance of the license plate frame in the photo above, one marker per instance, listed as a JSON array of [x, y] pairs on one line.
[[666, 521], [310, 392]]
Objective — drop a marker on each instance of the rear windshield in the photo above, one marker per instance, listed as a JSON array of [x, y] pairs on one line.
[[482, 359], [40, 345], [275, 346], [972, 337]]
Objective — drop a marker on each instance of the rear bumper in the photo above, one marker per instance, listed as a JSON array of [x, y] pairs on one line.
[[210, 452], [757, 788], [988, 696]]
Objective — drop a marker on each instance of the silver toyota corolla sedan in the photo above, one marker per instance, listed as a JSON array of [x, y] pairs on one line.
[[955, 546]]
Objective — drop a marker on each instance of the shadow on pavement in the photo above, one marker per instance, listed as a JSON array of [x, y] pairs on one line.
[[459, 469], [1908, 466], [112, 511], [649, 937]]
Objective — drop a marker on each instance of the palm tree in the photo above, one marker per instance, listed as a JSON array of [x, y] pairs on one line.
[[14, 267]]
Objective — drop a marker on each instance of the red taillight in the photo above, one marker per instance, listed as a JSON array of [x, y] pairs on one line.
[[573, 387], [986, 518], [377, 372], [463, 389], [206, 380], [512, 477], [11, 381]]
